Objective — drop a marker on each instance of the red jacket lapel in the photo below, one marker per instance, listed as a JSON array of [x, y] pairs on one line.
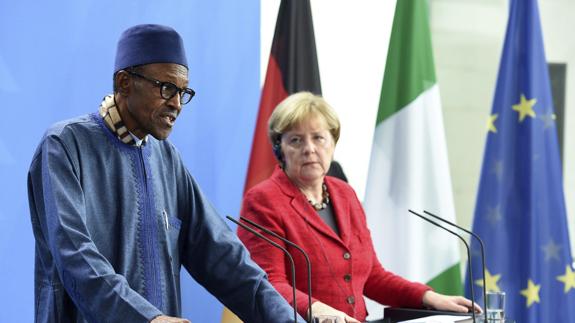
[[340, 207], [307, 213]]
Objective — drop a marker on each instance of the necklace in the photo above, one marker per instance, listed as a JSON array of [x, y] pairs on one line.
[[318, 206]]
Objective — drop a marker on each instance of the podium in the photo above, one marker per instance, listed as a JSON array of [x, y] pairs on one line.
[[397, 314]]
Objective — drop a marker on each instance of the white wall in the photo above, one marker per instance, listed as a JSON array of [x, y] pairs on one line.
[[352, 40]]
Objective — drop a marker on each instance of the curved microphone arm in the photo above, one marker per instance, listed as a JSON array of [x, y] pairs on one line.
[[482, 247], [308, 262], [468, 258], [259, 235]]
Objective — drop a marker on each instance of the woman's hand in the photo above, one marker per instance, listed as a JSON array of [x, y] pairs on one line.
[[319, 308], [448, 303]]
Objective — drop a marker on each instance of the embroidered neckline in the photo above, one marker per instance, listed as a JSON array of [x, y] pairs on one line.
[[318, 206], [109, 112]]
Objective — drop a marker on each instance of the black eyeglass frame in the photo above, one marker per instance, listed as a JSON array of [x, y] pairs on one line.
[[168, 87]]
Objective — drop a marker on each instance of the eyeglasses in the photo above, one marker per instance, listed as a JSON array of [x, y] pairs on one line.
[[167, 89]]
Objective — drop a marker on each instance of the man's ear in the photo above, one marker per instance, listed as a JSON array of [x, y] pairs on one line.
[[122, 83]]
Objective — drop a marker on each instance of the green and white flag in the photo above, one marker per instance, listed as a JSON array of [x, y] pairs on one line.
[[409, 168]]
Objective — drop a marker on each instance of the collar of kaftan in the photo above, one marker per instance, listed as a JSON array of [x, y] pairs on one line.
[[109, 112]]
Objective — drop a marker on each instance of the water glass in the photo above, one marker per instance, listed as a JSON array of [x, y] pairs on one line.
[[495, 304]]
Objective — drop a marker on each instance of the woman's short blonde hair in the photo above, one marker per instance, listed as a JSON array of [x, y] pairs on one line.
[[299, 107]]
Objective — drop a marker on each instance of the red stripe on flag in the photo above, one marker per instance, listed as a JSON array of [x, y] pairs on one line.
[[262, 160]]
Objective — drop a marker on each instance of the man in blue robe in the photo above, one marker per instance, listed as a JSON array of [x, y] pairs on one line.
[[115, 212]]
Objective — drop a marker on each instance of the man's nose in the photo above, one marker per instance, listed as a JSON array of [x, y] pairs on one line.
[[175, 102]]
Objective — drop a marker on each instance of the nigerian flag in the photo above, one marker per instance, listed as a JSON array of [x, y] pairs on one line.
[[409, 167]]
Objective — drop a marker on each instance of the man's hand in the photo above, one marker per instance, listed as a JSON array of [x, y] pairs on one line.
[[319, 308], [168, 319], [448, 303]]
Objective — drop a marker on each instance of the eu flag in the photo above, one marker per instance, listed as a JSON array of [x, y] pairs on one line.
[[520, 211]]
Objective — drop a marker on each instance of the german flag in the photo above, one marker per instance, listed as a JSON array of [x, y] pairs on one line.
[[292, 67]]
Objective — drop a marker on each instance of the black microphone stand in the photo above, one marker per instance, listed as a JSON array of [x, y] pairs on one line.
[[480, 245], [308, 262], [259, 235], [468, 258]]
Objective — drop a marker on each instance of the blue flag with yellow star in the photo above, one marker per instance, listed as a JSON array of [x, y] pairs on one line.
[[520, 211]]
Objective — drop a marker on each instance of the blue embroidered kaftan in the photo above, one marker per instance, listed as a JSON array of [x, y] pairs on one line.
[[114, 223]]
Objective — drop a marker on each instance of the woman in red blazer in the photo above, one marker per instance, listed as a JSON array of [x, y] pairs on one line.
[[322, 215]]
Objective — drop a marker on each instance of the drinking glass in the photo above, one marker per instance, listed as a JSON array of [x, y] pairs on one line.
[[495, 304]]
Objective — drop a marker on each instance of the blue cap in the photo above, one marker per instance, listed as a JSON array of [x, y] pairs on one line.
[[147, 44]]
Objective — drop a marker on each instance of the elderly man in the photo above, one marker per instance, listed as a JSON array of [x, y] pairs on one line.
[[115, 212]]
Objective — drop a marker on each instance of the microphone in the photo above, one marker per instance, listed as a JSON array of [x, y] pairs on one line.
[[468, 258], [307, 261], [259, 235], [480, 245]]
